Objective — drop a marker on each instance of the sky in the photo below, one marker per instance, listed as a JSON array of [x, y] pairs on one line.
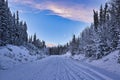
[[55, 21]]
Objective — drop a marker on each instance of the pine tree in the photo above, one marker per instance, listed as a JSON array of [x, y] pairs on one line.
[[12, 31], [43, 44], [101, 15], [30, 39], [115, 22], [4, 21], [74, 39], [17, 18], [34, 38], [105, 16], [25, 32], [96, 19], [74, 45]]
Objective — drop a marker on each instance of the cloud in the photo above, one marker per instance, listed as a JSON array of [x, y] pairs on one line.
[[50, 45], [77, 12], [23, 1]]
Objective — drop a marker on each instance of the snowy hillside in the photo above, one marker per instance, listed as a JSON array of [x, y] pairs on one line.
[[109, 62], [11, 55]]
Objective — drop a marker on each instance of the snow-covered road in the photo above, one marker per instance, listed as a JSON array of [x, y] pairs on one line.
[[53, 68]]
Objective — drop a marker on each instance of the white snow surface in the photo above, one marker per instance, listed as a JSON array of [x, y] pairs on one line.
[[108, 62], [68, 54], [16, 63], [11, 55], [56, 68]]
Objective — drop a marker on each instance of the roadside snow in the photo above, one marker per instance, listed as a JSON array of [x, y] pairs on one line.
[[54, 68], [68, 54], [11, 55], [79, 57], [108, 62]]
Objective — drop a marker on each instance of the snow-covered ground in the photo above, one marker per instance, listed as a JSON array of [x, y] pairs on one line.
[[108, 62], [11, 55], [55, 68], [16, 63]]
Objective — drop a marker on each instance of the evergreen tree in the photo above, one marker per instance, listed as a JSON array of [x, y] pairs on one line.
[[4, 22], [74, 39], [96, 19], [101, 15], [17, 18], [25, 37], [43, 44], [12, 31], [34, 38], [105, 16]]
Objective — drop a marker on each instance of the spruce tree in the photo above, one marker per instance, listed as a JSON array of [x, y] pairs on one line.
[[34, 38], [105, 16], [101, 15], [96, 19]]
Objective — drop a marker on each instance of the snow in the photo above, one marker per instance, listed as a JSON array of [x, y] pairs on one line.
[[17, 64], [55, 68], [79, 57], [108, 62], [68, 54], [11, 55]]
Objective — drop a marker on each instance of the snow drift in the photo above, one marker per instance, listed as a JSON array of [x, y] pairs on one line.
[[11, 55]]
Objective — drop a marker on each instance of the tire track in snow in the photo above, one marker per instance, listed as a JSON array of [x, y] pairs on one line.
[[52, 68], [67, 73], [61, 73], [72, 75], [92, 73], [81, 72], [81, 75]]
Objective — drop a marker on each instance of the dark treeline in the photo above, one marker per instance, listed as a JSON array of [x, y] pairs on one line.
[[103, 36], [37, 42], [96, 41], [12, 30], [58, 50]]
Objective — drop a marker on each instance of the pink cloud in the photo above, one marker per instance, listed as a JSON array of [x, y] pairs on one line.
[[51, 45], [76, 12], [23, 1]]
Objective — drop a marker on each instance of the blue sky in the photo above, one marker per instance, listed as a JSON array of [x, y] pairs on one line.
[[55, 21]]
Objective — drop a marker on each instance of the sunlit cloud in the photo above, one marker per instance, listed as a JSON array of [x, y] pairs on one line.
[[23, 1], [50, 45], [77, 12]]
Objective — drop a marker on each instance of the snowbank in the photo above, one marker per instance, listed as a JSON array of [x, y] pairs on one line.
[[68, 54], [13, 55], [108, 62]]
